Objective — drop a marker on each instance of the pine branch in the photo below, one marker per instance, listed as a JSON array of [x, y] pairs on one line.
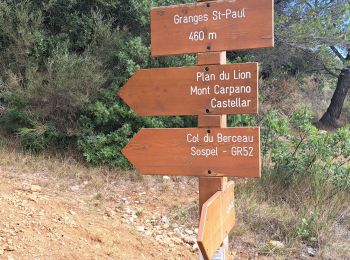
[[337, 53]]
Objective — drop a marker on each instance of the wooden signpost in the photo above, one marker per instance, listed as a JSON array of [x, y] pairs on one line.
[[198, 90], [210, 90], [196, 152], [217, 220], [212, 26]]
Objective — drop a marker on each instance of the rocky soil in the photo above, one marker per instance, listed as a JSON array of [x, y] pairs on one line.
[[39, 222]]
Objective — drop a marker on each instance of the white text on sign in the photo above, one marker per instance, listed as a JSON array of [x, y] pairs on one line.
[[241, 145]]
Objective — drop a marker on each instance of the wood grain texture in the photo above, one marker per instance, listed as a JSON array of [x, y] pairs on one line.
[[196, 90], [211, 58], [253, 30], [208, 186], [215, 121], [217, 220], [169, 152]]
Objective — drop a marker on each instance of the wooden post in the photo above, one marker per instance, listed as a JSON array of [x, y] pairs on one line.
[[208, 186]]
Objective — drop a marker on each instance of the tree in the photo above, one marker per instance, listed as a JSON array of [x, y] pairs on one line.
[[334, 110], [322, 26]]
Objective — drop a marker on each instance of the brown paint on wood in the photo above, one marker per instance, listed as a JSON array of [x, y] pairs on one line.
[[211, 58], [220, 32], [168, 152], [212, 121], [217, 220], [196, 90], [208, 186]]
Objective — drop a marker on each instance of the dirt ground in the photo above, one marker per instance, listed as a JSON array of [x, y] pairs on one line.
[[41, 223], [59, 209]]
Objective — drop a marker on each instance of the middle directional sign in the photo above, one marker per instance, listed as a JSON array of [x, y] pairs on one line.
[[196, 152], [198, 90]]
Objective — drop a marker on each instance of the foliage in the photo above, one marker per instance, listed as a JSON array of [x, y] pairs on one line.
[[291, 155], [306, 229], [65, 60]]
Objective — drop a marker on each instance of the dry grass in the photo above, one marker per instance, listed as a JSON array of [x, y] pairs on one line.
[[59, 171], [265, 211], [274, 213]]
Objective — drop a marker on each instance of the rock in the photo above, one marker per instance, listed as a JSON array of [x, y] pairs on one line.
[[75, 188], [312, 252], [159, 238], [165, 226], [177, 240], [9, 248], [189, 240], [141, 228], [148, 233], [195, 247], [196, 230], [33, 197], [165, 219], [174, 225], [109, 213], [2, 251], [166, 178], [179, 233], [142, 193], [274, 244], [71, 212], [35, 188], [171, 245], [189, 232], [131, 219]]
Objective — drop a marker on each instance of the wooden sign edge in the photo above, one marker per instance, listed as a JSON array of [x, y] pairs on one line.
[[213, 175], [121, 92], [154, 9], [203, 217]]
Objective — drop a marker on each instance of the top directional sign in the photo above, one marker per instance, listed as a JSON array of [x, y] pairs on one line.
[[212, 26]]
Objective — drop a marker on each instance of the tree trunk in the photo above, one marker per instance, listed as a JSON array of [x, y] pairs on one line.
[[329, 119]]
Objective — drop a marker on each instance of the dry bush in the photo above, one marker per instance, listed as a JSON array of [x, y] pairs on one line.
[[282, 93], [297, 216]]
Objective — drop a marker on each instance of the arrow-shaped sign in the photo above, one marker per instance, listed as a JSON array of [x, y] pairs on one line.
[[217, 220], [199, 90], [196, 152]]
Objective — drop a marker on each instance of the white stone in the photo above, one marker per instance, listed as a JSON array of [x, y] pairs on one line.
[[141, 228]]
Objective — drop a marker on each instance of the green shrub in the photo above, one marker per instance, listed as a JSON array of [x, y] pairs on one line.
[[306, 229], [106, 129], [293, 154]]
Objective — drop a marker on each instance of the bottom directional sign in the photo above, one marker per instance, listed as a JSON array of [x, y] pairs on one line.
[[217, 220], [196, 152]]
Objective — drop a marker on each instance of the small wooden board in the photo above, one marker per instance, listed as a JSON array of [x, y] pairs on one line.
[[198, 90], [217, 220], [196, 152], [212, 26]]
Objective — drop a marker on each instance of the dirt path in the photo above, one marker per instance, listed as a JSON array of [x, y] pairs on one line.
[[41, 223]]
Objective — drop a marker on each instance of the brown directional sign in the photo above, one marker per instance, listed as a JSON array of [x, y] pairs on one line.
[[217, 220], [212, 26], [196, 152], [215, 89]]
